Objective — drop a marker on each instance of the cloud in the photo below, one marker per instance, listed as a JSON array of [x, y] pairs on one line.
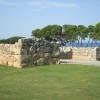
[[61, 5], [7, 3], [39, 5], [52, 4]]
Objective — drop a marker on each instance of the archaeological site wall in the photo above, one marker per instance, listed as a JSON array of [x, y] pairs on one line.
[[29, 52], [80, 53]]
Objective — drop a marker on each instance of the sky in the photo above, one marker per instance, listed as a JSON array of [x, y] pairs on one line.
[[20, 17]]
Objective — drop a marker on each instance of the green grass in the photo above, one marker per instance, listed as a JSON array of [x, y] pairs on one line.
[[55, 82]]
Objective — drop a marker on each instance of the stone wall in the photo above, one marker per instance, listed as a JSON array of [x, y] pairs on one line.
[[29, 52], [65, 53], [10, 54], [81, 53]]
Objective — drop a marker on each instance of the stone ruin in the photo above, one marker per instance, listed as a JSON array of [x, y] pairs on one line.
[[29, 52], [80, 53], [35, 52]]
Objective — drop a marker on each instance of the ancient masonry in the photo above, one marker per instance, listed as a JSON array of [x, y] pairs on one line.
[[29, 52], [80, 53]]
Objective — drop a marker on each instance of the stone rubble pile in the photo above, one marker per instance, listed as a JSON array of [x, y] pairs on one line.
[[29, 52]]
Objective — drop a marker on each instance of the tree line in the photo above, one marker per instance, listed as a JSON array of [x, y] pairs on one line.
[[70, 33], [65, 34], [10, 40]]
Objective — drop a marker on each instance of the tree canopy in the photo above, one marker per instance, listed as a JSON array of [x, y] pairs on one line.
[[70, 33], [48, 32]]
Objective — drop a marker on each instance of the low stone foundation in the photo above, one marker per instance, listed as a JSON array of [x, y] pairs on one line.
[[81, 53], [29, 52]]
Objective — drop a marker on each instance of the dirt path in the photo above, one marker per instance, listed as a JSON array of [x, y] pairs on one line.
[[92, 62]]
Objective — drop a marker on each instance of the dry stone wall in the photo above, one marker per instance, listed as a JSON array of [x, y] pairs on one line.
[[65, 53], [29, 52], [10, 54], [81, 53]]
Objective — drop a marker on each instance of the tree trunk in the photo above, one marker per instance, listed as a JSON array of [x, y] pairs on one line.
[[72, 44], [81, 42], [96, 43], [78, 42], [88, 42], [92, 43]]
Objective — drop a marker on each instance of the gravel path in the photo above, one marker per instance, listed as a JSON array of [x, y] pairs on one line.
[[83, 62]]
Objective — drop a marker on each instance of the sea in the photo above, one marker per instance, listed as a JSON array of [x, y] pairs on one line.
[[85, 44]]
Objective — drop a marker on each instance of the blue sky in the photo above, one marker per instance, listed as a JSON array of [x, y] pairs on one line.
[[20, 17]]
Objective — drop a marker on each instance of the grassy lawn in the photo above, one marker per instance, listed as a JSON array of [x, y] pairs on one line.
[[55, 82]]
